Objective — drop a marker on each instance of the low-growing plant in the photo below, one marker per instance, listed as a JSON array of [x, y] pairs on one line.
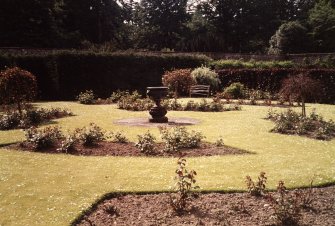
[[132, 101], [116, 96], [219, 142], [235, 90], [118, 137], [68, 144], [258, 188], [43, 138], [30, 117], [178, 137], [185, 183], [290, 122], [86, 97], [9, 120], [90, 135], [146, 143], [287, 208]]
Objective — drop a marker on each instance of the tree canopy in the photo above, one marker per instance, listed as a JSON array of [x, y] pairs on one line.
[[240, 26]]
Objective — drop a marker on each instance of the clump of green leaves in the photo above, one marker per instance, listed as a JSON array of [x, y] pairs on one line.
[[43, 138], [219, 142], [134, 102], [178, 137], [205, 76], [235, 90], [258, 188], [86, 97], [116, 96], [314, 126], [146, 143], [185, 183], [118, 137], [30, 117], [90, 135], [68, 144]]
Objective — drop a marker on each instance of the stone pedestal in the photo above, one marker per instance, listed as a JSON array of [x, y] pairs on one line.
[[157, 112]]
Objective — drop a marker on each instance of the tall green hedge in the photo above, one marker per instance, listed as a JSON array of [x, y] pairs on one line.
[[62, 75], [271, 79]]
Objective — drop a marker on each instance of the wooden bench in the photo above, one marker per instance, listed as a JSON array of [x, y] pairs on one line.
[[200, 90]]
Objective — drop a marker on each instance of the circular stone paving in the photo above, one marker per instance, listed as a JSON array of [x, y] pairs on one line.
[[145, 122]]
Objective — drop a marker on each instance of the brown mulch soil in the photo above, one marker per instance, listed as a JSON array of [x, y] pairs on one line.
[[129, 149], [208, 209]]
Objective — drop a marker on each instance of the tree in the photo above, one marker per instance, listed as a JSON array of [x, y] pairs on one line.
[[322, 21], [31, 23], [301, 87], [199, 35], [17, 86], [160, 23], [97, 21], [291, 37]]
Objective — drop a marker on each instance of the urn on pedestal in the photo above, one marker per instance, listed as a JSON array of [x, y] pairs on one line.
[[157, 112]]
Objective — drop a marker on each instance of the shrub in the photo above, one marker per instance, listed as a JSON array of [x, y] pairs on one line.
[[271, 79], [146, 143], [134, 102], [116, 96], [226, 64], [90, 135], [235, 90], [179, 81], [219, 142], [118, 137], [30, 117], [86, 97], [185, 183], [205, 76], [314, 126], [9, 120], [68, 144], [178, 137], [43, 138], [287, 209], [257, 189], [17, 86]]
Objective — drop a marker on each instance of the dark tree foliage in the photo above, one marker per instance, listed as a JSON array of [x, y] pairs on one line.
[[237, 26], [291, 37], [160, 23], [97, 21], [322, 22], [30, 23]]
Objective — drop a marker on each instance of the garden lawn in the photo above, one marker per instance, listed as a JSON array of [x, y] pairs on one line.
[[45, 189]]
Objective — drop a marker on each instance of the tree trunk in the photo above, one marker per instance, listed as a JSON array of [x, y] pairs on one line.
[[19, 108], [303, 107]]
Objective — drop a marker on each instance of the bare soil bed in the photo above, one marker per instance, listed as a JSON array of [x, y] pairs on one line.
[[129, 149], [208, 209]]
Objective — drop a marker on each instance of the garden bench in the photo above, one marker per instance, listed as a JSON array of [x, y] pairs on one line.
[[200, 90]]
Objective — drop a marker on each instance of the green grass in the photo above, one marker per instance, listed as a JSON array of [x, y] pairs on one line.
[[44, 189]]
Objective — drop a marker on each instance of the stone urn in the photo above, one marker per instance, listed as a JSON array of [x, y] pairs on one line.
[[157, 112]]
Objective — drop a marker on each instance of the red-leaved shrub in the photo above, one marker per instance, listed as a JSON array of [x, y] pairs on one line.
[[17, 86], [178, 81]]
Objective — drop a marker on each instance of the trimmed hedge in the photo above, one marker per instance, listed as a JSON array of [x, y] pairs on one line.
[[63, 75], [270, 79]]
